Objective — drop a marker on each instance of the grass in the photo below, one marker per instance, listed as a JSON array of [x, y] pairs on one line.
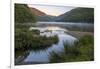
[[83, 50], [26, 40]]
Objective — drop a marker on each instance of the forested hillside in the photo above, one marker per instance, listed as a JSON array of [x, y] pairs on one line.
[[77, 15], [23, 14]]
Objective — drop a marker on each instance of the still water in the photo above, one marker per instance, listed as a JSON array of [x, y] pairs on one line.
[[43, 56], [55, 28]]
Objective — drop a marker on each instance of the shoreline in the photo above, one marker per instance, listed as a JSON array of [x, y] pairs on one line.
[[79, 34]]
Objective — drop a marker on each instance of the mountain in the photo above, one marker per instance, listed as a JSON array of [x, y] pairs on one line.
[[23, 14], [36, 11], [77, 15], [41, 16]]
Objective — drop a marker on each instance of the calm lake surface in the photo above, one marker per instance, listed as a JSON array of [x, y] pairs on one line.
[[69, 25], [56, 28]]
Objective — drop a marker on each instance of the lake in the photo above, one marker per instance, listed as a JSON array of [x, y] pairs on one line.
[[89, 27], [55, 28]]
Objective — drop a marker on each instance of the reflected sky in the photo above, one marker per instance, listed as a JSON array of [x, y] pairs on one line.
[[43, 56]]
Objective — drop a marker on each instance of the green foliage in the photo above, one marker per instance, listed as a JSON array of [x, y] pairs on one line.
[[25, 40], [23, 14], [20, 56], [37, 32], [78, 15], [83, 50], [56, 58]]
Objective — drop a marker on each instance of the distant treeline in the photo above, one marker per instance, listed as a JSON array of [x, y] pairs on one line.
[[23, 14], [77, 15]]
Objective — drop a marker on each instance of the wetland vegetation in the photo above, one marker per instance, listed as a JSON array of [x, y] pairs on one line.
[[68, 37], [82, 50]]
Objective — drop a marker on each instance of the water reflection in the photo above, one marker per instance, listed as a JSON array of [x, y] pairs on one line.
[[69, 25], [42, 56], [49, 29]]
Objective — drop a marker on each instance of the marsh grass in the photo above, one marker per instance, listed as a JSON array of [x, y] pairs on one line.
[[83, 50], [26, 40]]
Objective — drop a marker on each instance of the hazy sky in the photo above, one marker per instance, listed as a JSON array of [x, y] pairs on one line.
[[52, 10]]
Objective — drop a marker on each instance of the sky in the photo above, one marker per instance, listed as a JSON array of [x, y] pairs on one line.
[[52, 10]]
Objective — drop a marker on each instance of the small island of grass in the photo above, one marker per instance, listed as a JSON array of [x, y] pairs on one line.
[[25, 40]]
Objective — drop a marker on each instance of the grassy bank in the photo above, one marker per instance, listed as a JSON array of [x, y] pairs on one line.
[[83, 50], [25, 40]]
